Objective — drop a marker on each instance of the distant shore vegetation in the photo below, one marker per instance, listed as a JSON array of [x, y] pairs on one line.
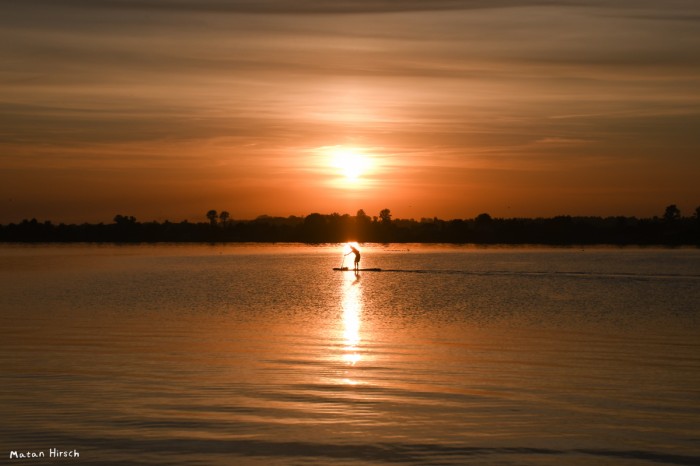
[[670, 228]]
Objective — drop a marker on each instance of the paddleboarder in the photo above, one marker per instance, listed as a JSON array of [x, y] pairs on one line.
[[354, 250]]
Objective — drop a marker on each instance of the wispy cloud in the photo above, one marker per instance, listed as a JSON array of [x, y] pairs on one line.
[[364, 6], [305, 6]]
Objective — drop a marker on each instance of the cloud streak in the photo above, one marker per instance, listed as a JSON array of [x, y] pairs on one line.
[[307, 6], [276, 7]]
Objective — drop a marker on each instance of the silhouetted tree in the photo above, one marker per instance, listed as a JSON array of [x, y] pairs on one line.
[[484, 226], [315, 228], [385, 216], [672, 229], [125, 229], [124, 220], [363, 225], [212, 216], [672, 213], [384, 229], [224, 217], [483, 218]]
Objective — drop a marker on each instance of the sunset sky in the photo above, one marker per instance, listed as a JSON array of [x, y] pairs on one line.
[[165, 109]]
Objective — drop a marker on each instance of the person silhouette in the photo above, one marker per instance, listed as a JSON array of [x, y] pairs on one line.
[[354, 250]]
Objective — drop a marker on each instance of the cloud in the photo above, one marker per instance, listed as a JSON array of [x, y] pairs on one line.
[[352, 6], [296, 6]]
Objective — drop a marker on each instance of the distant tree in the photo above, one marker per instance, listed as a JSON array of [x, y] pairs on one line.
[[124, 219], [484, 228], [483, 218], [125, 229], [212, 216], [224, 217], [669, 228], [672, 213], [385, 216], [363, 224], [315, 228]]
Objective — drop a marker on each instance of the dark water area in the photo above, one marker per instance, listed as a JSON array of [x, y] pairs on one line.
[[247, 354]]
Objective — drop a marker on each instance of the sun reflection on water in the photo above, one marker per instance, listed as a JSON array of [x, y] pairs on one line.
[[352, 310]]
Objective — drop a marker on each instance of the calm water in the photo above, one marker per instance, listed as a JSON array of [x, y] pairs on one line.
[[219, 355]]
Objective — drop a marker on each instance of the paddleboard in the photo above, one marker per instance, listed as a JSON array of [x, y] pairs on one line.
[[348, 269]]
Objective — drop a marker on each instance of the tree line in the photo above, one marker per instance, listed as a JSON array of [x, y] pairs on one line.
[[669, 229]]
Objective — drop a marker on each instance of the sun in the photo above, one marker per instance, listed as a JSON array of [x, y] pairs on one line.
[[349, 162]]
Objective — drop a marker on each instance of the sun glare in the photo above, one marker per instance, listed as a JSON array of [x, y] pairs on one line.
[[350, 163], [347, 247]]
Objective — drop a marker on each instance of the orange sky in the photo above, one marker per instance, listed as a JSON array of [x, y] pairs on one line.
[[165, 109]]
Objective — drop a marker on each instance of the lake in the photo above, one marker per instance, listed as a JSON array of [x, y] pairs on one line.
[[263, 355]]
